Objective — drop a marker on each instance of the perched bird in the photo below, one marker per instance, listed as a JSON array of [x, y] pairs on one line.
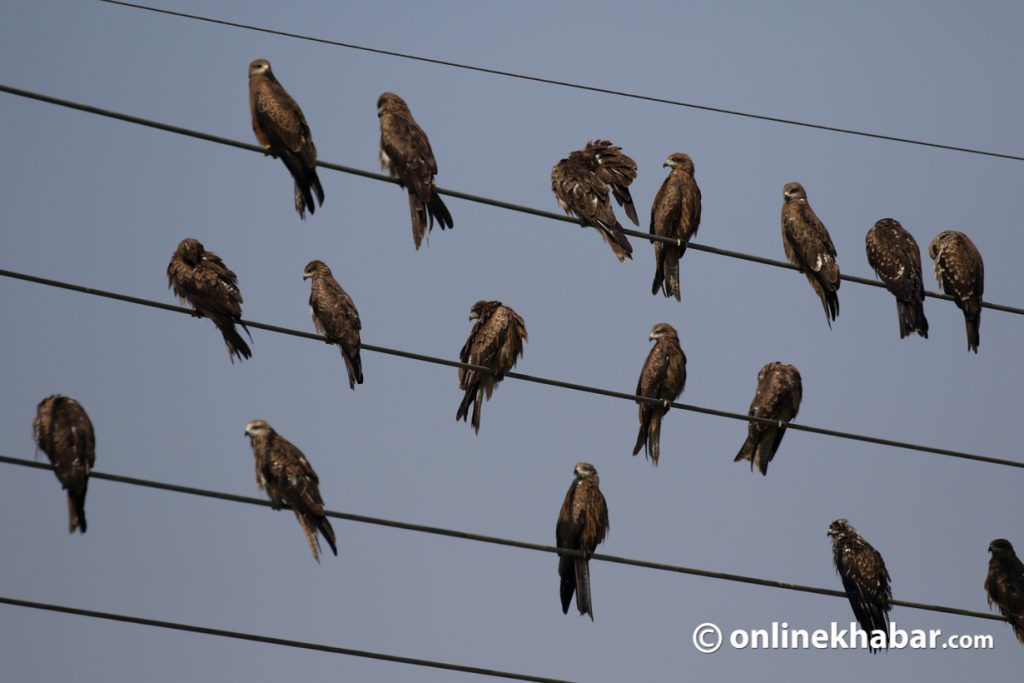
[[865, 580], [809, 247], [199, 278], [674, 214], [406, 155], [779, 390], [335, 317], [495, 342], [662, 377], [960, 272], [1005, 584], [582, 525], [64, 432], [283, 132], [288, 478], [581, 183], [896, 258]]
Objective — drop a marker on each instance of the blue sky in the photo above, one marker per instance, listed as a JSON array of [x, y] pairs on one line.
[[104, 203]]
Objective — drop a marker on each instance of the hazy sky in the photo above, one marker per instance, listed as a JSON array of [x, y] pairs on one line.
[[104, 203]]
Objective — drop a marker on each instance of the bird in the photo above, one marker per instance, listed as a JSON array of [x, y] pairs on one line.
[[581, 183], [1005, 584], [808, 246], [777, 398], [675, 214], [288, 479], [199, 278], [865, 580], [960, 272], [405, 154], [335, 316], [582, 525], [282, 131], [495, 342], [65, 434], [663, 377], [896, 258]]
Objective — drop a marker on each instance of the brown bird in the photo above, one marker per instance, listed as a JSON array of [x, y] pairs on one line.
[[1005, 584], [896, 258], [865, 580], [582, 525], [282, 131], [199, 278], [64, 432], [809, 247], [406, 155], [581, 183], [960, 272], [674, 214], [778, 395], [335, 317], [495, 342], [288, 478], [662, 377]]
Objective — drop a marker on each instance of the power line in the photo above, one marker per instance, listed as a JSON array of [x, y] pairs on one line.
[[519, 208], [568, 84], [527, 378], [496, 540], [270, 640]]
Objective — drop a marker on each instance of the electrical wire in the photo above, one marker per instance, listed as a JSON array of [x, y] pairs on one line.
[[527, 378], [568, 84], [270, 640], [495, 540], [178, 130]]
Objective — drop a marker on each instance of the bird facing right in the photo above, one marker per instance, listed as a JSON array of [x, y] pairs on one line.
[[1005, 584]]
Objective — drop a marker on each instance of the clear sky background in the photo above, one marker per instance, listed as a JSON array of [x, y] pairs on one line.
[[104, 203]]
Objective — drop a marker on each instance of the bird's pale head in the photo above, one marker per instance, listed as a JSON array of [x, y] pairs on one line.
[[389, 101], [257, 428], [794, 192], [258, 67], [1000, 546], [936, 244], [482, 309], [839, 529], [585, 470], [315, 268], [662, 330], [190, 250], [680, 161]]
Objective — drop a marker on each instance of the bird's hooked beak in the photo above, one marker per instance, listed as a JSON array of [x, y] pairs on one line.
[[668, 162], [474, 315], [306, 276]]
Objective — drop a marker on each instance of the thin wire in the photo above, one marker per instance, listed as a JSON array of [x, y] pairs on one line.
[[270, 640], [496, 540], [524, 377], [178, 130], [568, 84]]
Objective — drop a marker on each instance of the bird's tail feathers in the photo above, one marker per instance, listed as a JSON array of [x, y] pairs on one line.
[[583, 603], [439, 212], [418, 214], [912, 318], [473, 396], [324, 525], [972, 320], [311, 537], [616, 239], [354, 367], [567, 586], [237, 348], [76, 510], [645, 422]]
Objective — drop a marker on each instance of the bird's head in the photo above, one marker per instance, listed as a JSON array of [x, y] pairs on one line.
[[583, 470], [935, 246], [258, 67], [191, 250], [314, 268], [794, 192], [681, 161], [838, 529], [482, 308], [1000, 546], [389, 101], [662, 330], [257, 428]]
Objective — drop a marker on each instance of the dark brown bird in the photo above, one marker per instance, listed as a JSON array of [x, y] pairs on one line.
[[662, 377], [674, 214], [582, 525], [335, 317], [809, 247], [896, 258], [64, 432], [960, 272], [199, 278], [405, 154], [282, 131], [778, 395], [288, 478], [1005, 584], [865, 580], [581, 183], [496, 342]]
